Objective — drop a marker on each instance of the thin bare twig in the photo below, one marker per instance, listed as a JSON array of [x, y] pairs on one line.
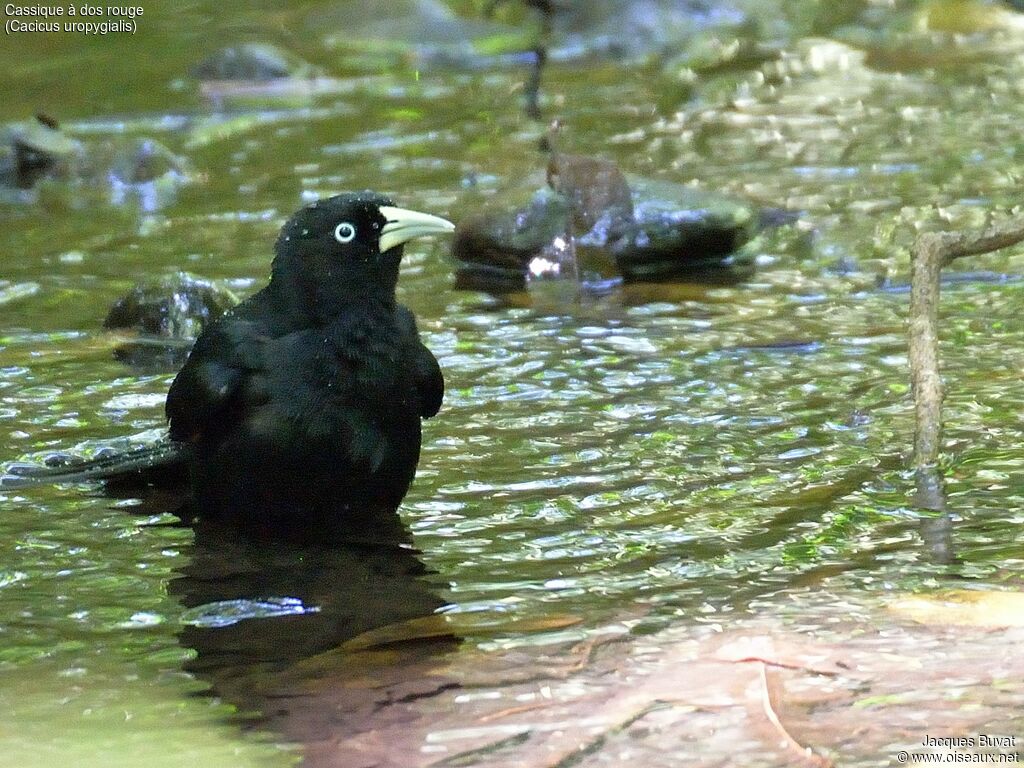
[[783, 665], [805, 753], [490, 716], [930, 253]]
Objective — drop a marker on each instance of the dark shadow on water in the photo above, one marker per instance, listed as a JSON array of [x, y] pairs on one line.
[[272, 624]]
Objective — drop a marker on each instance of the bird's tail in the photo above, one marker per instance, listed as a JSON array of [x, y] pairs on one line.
[[163, 456]]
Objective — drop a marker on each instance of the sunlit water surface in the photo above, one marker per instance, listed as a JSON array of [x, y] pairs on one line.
[[661, 455]]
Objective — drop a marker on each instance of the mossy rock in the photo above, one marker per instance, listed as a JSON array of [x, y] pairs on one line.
[[494, 249], [37, 149], [594, 227], [167, 317], [253, 62], [683, 234]]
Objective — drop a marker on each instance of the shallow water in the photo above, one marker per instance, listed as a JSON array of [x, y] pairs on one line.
[[663, 456]]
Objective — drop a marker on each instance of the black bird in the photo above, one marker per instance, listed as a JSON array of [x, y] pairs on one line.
[[302, 405]]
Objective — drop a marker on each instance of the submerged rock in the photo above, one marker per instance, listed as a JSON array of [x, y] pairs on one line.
[[696, 239], [966, 17], [167, 316], [141, 169], [37, 149], [500, 251], [368, 35], [938, 34], [251, 75], [628, 29], [634, 31], [590, 227], [253, 62], [714, 54], [139, 161], [38, 152]]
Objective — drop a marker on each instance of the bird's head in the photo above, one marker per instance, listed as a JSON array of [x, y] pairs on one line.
[[348, 246]]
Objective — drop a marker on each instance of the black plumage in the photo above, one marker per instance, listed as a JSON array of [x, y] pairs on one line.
[[303, 403]]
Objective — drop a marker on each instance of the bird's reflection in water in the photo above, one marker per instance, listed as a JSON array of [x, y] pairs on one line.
[[269, 620]]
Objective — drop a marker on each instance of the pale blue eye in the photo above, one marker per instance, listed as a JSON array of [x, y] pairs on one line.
[[344, 232]]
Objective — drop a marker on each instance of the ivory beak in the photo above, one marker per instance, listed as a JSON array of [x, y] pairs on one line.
[[403, 225]]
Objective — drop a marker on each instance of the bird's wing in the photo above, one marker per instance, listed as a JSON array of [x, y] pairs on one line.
[[204, 391], [429, 380]]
